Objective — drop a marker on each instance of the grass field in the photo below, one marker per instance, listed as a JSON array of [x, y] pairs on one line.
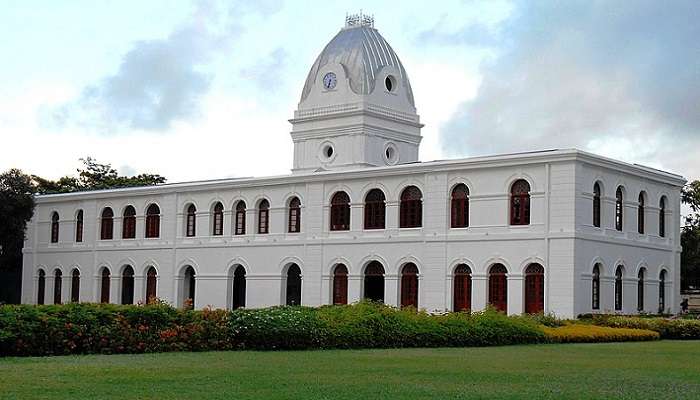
[[651, 370]]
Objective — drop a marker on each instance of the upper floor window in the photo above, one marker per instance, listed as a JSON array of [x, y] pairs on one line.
[[375, 209], [107, 224], [239, 228], [264, 216], [596, 205], [294, 225], [459, 210], [520, 203], [129, 223], [191, 221], [640, 214], [662, 217], [618, 209], [218, 220], [79, 226], [340, 212], [54, 227], [411, 208], [153, 221]]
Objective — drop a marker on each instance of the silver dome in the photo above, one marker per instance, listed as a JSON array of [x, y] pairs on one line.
[[363, 52]]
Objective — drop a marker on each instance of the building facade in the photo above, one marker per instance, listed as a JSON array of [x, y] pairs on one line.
[[560, 231]]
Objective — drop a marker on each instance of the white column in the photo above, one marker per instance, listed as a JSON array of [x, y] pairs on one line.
[[354, 288], [516, 295], [479, 291], [391, 290]]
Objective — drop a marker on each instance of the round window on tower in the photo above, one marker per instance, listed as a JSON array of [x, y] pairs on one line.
[[327, 152], [390, 154], [390, 83]]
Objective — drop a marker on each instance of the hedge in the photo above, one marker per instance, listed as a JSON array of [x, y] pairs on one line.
[[682, 329], [582, 333], [27, 330]]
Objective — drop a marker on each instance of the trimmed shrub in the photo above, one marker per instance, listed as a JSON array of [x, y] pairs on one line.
[[681, 329], [582, 333], [27, 330]]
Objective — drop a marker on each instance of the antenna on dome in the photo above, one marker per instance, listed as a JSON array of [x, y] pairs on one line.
[[356, 20]]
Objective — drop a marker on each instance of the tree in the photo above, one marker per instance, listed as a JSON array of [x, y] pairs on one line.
[[95, 176], [16, 209], [690, 237]]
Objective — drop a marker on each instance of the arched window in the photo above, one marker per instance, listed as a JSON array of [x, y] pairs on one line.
[[340, 212], [662, 217], [411, 208], [374, 282], [107, 224], [191, 221], [79, 226], [596, 205], [662, 292], [151, 285], [640, 289], [75, 286], [238, 290], [520, 203], [618, 209], [640, 214], [340, 284], [498, 287], [240, 218], [462, 288], [218, 220], [534, 289], [459, 213], [294, 225], [264, 216], [595, 288], [189, 284], [409, 285], [105, 280], [618, 288], [375, 209], [293, 294], [57, 285], [54, 227], [153, 221], [129, 223], [128, 285], [41, 287]]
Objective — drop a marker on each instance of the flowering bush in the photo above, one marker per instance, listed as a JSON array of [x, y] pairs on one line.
[[684, 329], [583, 333], [27, 330]]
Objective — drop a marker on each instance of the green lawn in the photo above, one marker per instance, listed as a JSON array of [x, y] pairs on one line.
[[651, 370]]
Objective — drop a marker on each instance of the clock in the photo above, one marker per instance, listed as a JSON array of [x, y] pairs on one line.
[[329, 81]]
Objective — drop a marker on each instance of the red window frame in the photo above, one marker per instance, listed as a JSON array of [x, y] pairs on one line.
[[151, 285], [340, 284], [619, 209], [498, 287], [240, 218], [534, 289], [520, 203], [640, 214], [75, 286], [54, 227], [662, 217], [340, 212], [107, 224], [153, 221], [595, 288], [218, 220], [596, 205], [459, 210], [129, 223], [79, 227], [375, 210], [409, 285], [462, 290], [618, 289], [105, 286], [191, 221], [264, 217], [411, 208], [294, 223], [41, 287]]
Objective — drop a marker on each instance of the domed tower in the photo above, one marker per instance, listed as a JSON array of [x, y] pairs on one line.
[[356, 109]]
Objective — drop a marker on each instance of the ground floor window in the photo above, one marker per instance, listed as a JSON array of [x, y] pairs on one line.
[[462, 282], [498, 287], [374, 282], [238, 289], [293, 285], [534, 289]]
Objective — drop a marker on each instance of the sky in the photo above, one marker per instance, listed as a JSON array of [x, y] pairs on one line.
[[203, 89]]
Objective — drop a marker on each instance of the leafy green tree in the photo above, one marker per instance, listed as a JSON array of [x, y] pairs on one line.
[[690, 237], [95, 176], [16, 209]]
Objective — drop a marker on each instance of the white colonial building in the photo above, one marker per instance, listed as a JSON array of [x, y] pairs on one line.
[[561, 231]]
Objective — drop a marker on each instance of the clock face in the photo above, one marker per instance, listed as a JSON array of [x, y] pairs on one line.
[[329, 81]]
